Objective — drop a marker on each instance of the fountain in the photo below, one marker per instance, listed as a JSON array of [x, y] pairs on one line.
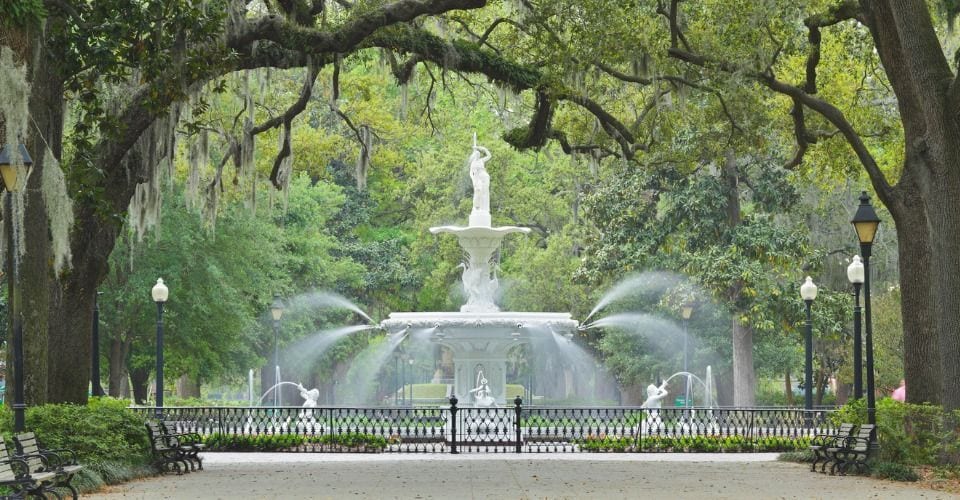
[[480, 335]]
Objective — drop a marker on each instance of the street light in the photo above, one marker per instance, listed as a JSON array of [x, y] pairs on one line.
[[686, 310], [95, 386], [865, 222], [808, 291], [15, 169], [160, 294], [276, 311], [855, 275]]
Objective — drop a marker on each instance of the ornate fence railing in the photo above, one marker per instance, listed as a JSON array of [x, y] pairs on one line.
[[511, 429]]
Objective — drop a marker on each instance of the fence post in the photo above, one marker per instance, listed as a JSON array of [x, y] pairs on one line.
[[518, 402], [220, 426], [453, 425]]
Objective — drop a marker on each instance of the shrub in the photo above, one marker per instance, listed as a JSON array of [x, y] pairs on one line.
[[893, 470], [908, 433], [692, 444], [109, 439], [249, 442], [289, 442]]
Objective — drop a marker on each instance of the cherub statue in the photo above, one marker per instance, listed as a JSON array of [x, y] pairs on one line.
[[481, 393], [654, 395], [310, 396]]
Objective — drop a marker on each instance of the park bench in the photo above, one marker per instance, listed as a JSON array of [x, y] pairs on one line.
[[16, 474], [167, 454], [820, 442], [853, 452], [62, 462], [190, 442]]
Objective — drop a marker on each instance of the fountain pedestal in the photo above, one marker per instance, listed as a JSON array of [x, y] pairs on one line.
[[479, 243]]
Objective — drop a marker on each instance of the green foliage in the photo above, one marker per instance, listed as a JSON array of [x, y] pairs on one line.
[[909, 434], [110, 440], [22, 13], [893, 470], [353, 440], [249, 442], [692, 444], [292, 442]]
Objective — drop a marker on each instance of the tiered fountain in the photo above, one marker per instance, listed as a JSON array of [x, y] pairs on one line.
[[480, 335]]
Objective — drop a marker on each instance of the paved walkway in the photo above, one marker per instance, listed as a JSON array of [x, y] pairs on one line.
[[508, 476]]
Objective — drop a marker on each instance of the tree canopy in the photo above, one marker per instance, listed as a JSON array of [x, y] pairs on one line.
[[690, 130]]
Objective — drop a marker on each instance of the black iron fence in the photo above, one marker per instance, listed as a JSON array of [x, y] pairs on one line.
[[509, 429]]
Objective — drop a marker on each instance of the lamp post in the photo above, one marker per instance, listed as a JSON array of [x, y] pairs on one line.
[[160, 294], [686, 310], [855, 275], [808, 291], [865, 222], [15, 169], [276, 311], [95, 386]]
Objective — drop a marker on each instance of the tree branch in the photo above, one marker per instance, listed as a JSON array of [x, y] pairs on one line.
[[297, 107], [830, 112], [610, 124], [676, 80]]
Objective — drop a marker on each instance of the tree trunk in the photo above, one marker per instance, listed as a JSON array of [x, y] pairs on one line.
[[188, 386], [788, 388], [920, 341], [744, 378], [633, 394], [31, 292], [822, 380], [724, 388], [139, 378], [922, 79], [119, 378]]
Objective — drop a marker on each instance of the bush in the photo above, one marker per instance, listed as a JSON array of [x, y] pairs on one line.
[[248, 442], [908, 433], [110, 440], [893, 470], [292, 442], [691, 444]]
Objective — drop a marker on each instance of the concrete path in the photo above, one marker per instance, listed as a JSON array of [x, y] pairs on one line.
[[508, 476]]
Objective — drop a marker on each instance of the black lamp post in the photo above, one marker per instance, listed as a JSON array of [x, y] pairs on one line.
[[865, 221], [808, 291], [160, 294], [95, 386], [276, 311], [15, 169], [855, 275], [686, 310]]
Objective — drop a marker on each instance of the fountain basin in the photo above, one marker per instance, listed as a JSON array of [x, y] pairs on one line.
[[481, 341]]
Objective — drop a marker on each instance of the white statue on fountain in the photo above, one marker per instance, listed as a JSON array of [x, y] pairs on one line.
[[305, 418], [481, 393], [480, 216], [310, 396], [655, 395]]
